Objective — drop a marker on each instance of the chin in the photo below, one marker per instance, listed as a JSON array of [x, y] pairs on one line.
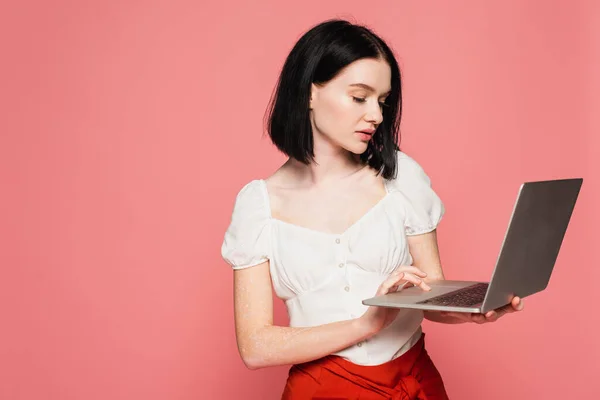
[[357, 148]]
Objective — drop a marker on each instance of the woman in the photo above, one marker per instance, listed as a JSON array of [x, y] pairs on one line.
[[346, 217]]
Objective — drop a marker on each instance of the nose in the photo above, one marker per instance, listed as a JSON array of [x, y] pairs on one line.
[[374, 114]]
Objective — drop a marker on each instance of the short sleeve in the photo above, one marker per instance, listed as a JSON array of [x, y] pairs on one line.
[[423, 207], [247, 239]]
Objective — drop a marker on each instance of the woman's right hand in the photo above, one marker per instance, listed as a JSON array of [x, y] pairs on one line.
[[376, 317]]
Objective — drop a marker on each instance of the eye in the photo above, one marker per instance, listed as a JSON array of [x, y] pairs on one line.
[[383, 105], [359, 99]]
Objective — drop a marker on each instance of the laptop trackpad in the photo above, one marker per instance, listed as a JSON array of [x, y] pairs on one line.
[[437, 288]]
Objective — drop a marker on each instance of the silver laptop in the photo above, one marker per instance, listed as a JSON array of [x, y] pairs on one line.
[[531, 244]]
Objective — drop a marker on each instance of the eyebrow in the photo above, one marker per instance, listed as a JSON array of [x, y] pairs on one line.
[[369, 88]]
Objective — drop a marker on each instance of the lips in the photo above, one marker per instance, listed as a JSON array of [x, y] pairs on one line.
[[364, 136], [367, 131]]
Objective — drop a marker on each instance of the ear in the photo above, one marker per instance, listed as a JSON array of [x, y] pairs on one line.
[[313, 94]]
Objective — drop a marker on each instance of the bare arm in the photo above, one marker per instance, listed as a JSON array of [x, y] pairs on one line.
[[262, 344]]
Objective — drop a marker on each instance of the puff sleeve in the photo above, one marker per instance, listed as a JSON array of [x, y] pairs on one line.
[[247, 239], [423, 207]]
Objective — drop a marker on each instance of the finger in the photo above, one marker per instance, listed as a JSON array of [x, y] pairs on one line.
[[461, 316], [415, 271], [501, 310], [491, 316], [457, 315], [393, 280], [397, 279], [517, 304], [401, 281], [478, 318], [404, 285], [449, 314], [398, 286], [425, 286], [509, 308], [504, 310], [467, 317], [415, 280]]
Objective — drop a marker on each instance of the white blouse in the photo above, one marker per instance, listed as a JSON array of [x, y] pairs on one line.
[[324, 277]]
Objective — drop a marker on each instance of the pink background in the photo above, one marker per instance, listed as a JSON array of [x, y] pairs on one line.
[[128, 127]]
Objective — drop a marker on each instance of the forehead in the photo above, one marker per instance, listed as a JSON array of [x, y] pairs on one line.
[[368, 71]]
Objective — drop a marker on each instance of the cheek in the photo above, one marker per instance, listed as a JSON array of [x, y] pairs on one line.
[[335, 116]]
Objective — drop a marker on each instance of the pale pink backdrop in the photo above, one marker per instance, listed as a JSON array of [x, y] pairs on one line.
[[128, 127]]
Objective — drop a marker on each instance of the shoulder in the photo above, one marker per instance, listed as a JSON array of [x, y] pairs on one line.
[[423, 207], [250, 191], [246, 240], [251, 200], [408, 172]]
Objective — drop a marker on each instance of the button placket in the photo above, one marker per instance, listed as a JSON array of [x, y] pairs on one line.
[[341, 253]]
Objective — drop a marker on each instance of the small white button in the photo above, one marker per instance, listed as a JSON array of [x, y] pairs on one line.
[[341, 265], [347, 288], [359, 344], [337, 241]]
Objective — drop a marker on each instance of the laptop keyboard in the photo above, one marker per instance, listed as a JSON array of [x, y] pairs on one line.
[[465, 297]]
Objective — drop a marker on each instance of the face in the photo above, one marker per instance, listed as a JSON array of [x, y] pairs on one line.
[[350, 103]]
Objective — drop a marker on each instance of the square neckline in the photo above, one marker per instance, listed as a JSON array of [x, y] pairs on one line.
[[265, 192]]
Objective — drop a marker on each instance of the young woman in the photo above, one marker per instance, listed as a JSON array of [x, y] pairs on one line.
[[346, 217]]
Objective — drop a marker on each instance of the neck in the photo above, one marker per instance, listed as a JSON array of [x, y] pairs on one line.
[[329, 165]]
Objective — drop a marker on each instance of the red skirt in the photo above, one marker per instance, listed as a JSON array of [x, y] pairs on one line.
[[409, 376]]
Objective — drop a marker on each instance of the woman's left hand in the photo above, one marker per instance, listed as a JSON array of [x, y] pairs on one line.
[[491, 316]]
